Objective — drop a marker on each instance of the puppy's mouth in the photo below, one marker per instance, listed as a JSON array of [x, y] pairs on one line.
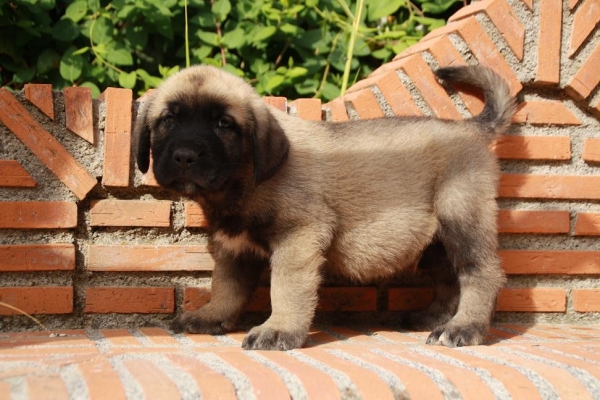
[[191, 186]]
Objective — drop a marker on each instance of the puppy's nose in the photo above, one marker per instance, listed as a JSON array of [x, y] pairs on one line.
[[185, 157]]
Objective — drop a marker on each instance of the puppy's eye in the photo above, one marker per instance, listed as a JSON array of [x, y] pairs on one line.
[[225, 123], [167, 120]]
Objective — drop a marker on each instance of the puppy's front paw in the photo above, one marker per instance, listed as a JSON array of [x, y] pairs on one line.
[[458, 335], [197, 322], [265, 338]]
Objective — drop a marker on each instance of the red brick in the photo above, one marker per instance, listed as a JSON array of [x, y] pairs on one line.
[[307, 109], [591, 150], [446, 54], [117, 136], [153, 382], [364, 83], [127, 300], [120, 337], [503, 18], [483, 48], [564, 383], [37, 257], [279, 103], [532, 300], [368, 383], [586, 300], [130, 213], [40, 95], [348, 299], [138, 258], [587, 224], [37, 300], [37, 215], [195, 297], [266, 383], [529, 4], [549, 39], [585, 21], [545, 112], [338, 110], [432, 92], [560, 262], [316, 383], [418, 384], [45, 146], [365, 104], [159, 337], [101, 380], [396, 95], [586, 79], [517, 384], [526, 221], [212, 385], [572, 4], [148, 179], [40, 386], [79, 112], [549, 187], [532, 147], [194, 216], [409, 299], [467, 382], [12, 174]]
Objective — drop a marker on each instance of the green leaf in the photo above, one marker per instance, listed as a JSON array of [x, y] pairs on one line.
[[437, 6], [47, 5], [71, 66], [82, 50], [137, 36], [127, 80], [95, 89], [47, 61], [76, 11], [329, 91], [296, 72], [262, 33], [210, 38], [234, 39], [151, 81], [382, 8], [119, 55], [102, 30], [24, 75], [65, 30], [221, 8], [274, 82]]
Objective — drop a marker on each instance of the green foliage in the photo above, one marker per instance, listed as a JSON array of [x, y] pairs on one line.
[[290, 48]]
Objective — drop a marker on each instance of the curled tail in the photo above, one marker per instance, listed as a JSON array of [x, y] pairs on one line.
[[499, 104]]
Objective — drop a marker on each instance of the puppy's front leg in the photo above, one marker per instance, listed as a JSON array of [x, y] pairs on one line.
[[233, 282], [295, 279]]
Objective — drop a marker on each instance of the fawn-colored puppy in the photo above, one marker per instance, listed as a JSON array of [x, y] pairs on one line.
[[360, 199]]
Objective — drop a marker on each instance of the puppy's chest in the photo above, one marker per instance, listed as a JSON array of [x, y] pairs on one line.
[[239, 244]]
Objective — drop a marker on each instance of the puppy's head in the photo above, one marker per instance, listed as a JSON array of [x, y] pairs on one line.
[[204, 128]]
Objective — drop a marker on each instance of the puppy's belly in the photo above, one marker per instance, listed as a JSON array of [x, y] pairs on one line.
[[379, 249]]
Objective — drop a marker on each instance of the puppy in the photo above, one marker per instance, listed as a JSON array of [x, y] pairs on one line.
[[360, 199]]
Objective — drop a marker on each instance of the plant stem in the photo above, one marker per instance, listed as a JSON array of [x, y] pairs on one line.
[[187, 38], [350, 54]]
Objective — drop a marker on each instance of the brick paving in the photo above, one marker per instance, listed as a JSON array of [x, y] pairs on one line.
[[527, 362]]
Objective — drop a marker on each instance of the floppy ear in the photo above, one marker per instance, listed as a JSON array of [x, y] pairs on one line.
[[271, 146], [141, 133]]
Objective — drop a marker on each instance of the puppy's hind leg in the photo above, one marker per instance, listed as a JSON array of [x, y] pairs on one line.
[[234, 280], [470, 240], [446, 292]]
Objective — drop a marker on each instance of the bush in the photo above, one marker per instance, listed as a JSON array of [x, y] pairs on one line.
[[290, 48]]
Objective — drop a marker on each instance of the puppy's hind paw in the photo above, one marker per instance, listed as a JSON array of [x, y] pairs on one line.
[[195, 322], [260, 338], [457, 336]]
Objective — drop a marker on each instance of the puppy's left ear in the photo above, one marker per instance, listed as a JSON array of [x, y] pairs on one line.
[[141, 134], [271, 146]]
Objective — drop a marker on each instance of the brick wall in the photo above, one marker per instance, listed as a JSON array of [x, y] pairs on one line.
[[85, 239]]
